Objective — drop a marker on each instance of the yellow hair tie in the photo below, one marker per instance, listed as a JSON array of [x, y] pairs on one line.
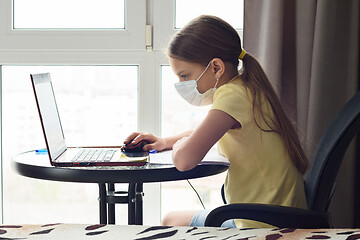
[[242, 54]]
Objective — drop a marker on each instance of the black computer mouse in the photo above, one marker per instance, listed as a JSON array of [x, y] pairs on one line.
[[134, 148]]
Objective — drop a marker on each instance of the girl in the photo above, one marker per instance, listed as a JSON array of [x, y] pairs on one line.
[[246, 120]]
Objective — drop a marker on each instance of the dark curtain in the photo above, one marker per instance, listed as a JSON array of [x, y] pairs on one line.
[[310, 51]]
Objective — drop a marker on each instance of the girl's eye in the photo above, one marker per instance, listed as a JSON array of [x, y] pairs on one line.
[[184, 77]]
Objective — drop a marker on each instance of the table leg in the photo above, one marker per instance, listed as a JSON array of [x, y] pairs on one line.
[[102, 203], [111, 206], [139, 204], [131, 204], [135, 204]]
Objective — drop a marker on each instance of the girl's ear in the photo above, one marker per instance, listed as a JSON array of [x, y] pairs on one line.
[[218, 67]]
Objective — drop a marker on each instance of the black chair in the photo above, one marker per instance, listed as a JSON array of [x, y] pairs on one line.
[[319, 183]]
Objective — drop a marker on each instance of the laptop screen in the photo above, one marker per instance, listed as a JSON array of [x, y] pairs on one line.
[[49, 114]]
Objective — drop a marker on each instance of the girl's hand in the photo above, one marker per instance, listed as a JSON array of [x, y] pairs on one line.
[[155, 143]]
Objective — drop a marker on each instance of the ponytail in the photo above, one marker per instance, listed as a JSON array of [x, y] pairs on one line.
[[259, 86]]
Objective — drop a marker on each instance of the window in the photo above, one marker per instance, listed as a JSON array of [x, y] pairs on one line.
[[94, 54], [109, 29], [104, 14], [229, 10], [166, 22]]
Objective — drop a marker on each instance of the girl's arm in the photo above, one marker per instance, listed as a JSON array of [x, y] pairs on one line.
[[157, 143], [189, 151], [170, 141]]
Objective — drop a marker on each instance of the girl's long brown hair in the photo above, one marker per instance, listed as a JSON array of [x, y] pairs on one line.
[[209, 37]]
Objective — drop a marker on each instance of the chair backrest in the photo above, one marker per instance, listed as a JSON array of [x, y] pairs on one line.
[[329, 154]]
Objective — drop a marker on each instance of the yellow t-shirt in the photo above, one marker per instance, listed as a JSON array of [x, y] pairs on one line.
[[261, 170]]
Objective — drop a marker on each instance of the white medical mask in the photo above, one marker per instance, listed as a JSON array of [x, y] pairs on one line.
[[188, 90]]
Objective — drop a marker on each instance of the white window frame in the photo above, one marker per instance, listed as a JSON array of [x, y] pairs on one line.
[[132, 37], [164, 26]]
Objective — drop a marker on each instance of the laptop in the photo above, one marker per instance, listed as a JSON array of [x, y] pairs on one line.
[[62, 156]]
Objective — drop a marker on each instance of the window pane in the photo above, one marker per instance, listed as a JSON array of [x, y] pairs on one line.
[[231, 11], [69, 14], [179, 116], [92, 110]]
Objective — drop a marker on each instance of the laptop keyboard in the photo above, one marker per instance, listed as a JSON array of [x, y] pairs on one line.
[[86, 155]]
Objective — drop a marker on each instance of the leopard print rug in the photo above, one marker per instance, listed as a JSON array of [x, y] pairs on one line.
[[99, 231]]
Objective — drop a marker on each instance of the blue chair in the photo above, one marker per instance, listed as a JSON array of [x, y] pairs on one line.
[[319, 183]]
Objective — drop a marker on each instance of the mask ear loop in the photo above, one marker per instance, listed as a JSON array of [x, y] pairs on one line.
[[203, 71], [217, 81]]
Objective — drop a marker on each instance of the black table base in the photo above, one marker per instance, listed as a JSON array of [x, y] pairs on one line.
[[108, 197]]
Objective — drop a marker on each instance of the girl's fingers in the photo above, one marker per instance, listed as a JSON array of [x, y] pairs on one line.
[[154, 142], [131, 137], [144, 136]]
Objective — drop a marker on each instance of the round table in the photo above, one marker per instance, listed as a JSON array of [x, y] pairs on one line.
[[35, 165]]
